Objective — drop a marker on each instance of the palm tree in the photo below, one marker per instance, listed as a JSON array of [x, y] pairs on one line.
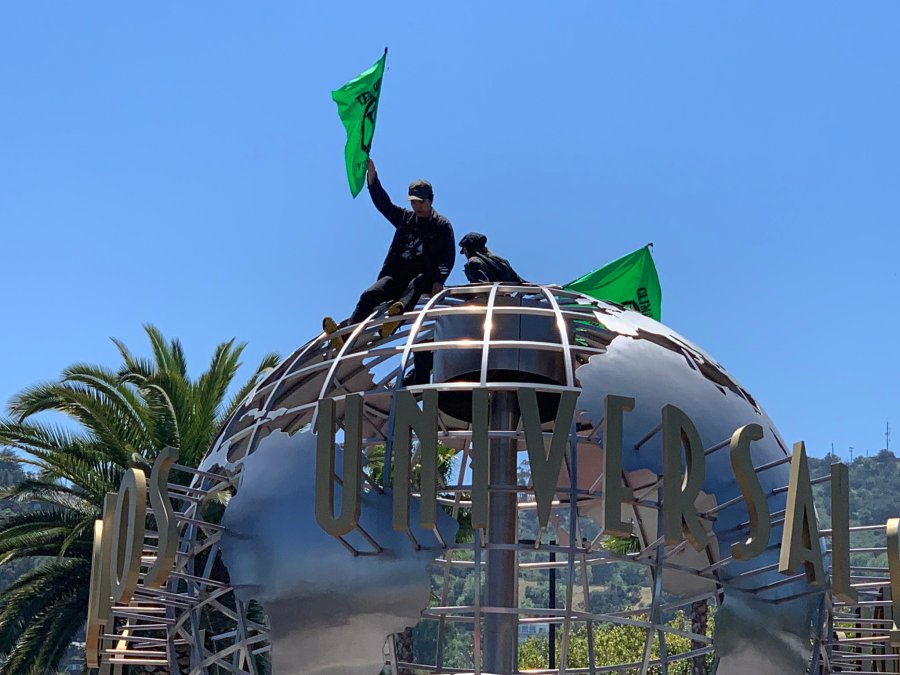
[[121, 417]]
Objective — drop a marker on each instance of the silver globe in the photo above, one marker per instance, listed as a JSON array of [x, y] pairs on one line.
[[332, 602]]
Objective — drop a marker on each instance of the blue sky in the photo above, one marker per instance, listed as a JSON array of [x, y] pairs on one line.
[[182, 164]]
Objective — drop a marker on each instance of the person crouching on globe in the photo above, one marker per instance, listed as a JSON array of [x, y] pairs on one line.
[[418, 261], [482, 265]]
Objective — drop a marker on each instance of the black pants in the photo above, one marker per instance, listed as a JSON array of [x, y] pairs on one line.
[[404, 289]]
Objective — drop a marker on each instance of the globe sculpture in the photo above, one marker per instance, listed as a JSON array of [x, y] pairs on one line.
[[340, 528], [332, 601]]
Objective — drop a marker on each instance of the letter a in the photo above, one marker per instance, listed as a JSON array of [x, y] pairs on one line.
[[800, 539]]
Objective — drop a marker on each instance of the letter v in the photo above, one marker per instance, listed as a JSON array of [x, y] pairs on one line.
[[545, 466]]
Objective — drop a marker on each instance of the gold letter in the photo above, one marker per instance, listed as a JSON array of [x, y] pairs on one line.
[[98, 596], [166, 525], [481, 449], [545, 466], [93, 630], [840, 534], [615, 492], [893, 550], [128, 535], [680, 486], [350, 486], [757, 508], [800, 540], [407, 417]]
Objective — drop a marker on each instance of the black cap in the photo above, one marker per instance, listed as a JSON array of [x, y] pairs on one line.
[[474, 241], [420, 189]]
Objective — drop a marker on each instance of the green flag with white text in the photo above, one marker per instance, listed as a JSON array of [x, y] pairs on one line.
[[631, 281], [357, 103]]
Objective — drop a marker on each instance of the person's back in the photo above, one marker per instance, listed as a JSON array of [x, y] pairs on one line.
[[484, 266]]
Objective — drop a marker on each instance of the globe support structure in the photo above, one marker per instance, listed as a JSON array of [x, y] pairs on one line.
[[204, 621]]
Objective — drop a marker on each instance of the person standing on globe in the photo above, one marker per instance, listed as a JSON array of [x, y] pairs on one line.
[[418, 261]]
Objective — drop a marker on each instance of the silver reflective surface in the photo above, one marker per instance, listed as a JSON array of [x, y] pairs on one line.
[[657, 366], [330, 611]]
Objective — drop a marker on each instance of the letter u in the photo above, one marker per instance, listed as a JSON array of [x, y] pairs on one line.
[[350, 488]]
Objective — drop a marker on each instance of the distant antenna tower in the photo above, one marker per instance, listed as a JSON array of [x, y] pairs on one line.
[[887, 435], [851, 454]]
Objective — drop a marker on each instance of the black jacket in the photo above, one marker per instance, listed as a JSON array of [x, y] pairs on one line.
[[420, 245], [485, 266]]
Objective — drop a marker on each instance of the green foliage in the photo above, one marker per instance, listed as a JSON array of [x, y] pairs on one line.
[[446, 460], [874, 498], [613, 645], [119, 417], [11, 474]]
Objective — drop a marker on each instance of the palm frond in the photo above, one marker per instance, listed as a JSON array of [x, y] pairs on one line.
[[49, 532], [37, 490], [269, 362], [46, 599], [129, 412]]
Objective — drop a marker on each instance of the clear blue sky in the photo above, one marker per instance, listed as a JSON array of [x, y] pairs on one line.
[[181, 163]]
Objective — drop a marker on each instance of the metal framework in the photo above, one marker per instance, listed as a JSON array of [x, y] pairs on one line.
[[196, 626]]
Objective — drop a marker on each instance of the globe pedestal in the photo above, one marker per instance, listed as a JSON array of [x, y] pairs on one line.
[[501, 630]]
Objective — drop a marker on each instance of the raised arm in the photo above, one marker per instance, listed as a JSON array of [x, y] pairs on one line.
[[380, 199]]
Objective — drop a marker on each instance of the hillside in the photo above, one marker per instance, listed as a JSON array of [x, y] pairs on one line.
[[874, 497]]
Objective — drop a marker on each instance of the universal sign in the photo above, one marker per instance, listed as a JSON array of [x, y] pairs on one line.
[[119, 536], [682, 481]]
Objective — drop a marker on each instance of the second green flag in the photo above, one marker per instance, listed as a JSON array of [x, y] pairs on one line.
[[631, 281]]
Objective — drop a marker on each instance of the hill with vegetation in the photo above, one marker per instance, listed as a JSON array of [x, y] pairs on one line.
[[874, 498]]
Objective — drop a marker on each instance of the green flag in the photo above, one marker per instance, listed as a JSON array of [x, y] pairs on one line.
[[631, 281], [357, 103]]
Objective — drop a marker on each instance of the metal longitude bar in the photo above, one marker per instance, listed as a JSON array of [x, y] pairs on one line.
[[501, 630]]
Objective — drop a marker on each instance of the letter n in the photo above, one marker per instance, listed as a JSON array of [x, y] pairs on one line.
[[800, 539], [350, 484], [408, 418], [681, 486]]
